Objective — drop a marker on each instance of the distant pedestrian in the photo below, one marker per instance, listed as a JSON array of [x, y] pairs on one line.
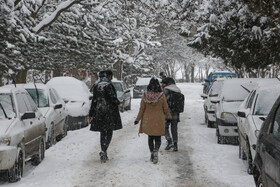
[[152, 113], [162, 75], [170, 89], [104, 113]]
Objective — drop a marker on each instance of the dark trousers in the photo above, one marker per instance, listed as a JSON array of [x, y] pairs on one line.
[[154, 143], [105, 139], [174, 130]]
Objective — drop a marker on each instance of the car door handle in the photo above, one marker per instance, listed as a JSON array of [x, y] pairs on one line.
[[31, 122]]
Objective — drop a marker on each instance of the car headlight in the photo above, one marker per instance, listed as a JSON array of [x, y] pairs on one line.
[[6, 141], [228, 116]]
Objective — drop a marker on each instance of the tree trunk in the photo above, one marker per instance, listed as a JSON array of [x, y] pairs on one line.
[[21, 77], [192, 73], [56, 73]]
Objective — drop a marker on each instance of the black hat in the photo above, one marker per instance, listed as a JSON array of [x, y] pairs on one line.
[[105, 73], [154, 85], [168, 81]]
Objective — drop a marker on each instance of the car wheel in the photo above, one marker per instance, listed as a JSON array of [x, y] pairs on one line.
[[205, 119], [249, 160], [15, 173], [65, 128], [51, 139], [210, 124], [260, 182], [37, 159], [129, 106]]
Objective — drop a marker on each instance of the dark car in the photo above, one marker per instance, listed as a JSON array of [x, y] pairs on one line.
[[140, 87], [266, 168], [214, 75], [123, 94]]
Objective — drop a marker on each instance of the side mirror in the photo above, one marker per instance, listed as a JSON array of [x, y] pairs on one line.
[[262, 118], [241, 114], [204, 96], [90, 97], [28, 115], [206, 80], [58, 106]]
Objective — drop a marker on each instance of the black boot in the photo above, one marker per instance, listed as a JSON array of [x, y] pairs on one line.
[[175, 146], [152, 157], [169, 145], [155, 160]]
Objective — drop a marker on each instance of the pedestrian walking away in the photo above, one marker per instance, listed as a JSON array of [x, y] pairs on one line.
[[104, 113], [153, 109], [171, 91]]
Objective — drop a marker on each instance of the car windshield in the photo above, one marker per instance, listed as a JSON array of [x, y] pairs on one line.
[[6, 106], [215, 89], [223, 75], [265, 101], [118, 86], [42, 101], [141, 87]]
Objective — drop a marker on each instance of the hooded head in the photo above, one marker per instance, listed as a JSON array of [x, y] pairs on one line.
[[167, 81], [107, 73], [154, 86]]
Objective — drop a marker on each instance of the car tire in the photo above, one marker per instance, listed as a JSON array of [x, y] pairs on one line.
[[15, 173], [205, 119], [65, 128], [210, 124], [37, 159], [260, 181], [129, 106], [241, 152]]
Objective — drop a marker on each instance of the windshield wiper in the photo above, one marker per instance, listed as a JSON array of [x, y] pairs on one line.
[[245, 88], [3, 110]]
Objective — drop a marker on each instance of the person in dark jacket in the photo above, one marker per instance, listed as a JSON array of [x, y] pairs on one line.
[[169, 87], [153, 109], [104, 113]]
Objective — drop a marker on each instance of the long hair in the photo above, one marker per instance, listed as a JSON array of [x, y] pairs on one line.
[[154, 86]]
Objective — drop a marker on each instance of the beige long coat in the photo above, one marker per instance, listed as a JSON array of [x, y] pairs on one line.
[[152, 116]]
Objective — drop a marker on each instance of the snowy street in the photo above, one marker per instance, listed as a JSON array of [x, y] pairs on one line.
[[200, 161]]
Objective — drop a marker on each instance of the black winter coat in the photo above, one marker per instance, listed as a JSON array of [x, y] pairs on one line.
[[104, 107]]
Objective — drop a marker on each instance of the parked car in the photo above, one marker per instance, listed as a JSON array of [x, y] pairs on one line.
[[140, 87], [22, 132], [209, 108], [53, 109], [214, 75], [76, 96], [232, 94], [266, 164], [123, 94], [251, 115]]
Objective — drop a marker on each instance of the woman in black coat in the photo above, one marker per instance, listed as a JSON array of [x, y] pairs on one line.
[[104, 111]]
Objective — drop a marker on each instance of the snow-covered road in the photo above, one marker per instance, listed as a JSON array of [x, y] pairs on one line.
[[200, 161]]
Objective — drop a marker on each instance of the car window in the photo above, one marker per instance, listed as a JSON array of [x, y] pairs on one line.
[[118, 86], [32, 104], [8, 109], [27, 103], [21, 104], [222, 75], [250, 100], [276, 124], [43, 100], [53, 97], [265, 101]]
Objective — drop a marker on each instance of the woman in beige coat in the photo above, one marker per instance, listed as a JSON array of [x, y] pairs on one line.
[[152, 113]]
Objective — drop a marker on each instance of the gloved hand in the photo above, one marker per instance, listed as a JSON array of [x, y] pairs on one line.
[[136, 122]]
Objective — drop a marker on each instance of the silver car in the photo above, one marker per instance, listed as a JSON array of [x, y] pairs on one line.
[[22, 132], [123, 94]]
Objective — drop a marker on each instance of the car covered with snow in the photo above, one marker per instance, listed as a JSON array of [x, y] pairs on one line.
[[22, 131], [214, 75], [209, 108], [123, 94], [232, 94], [266, 165], [76, 96], [140, 86], [251, 114], [53, 109]]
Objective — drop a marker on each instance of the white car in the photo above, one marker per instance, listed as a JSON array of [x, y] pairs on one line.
[[22, 131], [140, 87], [209, 108], [251, 114], [76, 96], [53, 109], [232, 94], [123, 94]]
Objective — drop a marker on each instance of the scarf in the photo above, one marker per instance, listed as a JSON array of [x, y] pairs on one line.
[[152, 97]]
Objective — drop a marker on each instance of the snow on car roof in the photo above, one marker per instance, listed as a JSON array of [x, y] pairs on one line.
[[143, 81], [69, 87], [10, 87]]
